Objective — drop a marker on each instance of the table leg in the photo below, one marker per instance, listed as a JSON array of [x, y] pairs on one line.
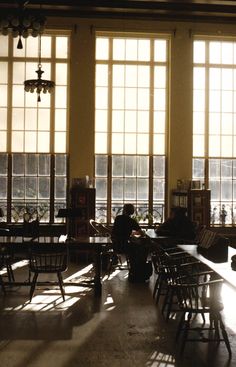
[[97, 268]]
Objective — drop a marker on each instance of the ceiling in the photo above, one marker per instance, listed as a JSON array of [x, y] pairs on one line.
[[185, 10]]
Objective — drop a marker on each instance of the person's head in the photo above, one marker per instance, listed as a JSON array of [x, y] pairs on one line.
[[128, 209]]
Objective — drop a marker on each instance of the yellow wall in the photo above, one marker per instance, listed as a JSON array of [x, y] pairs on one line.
[[81, 121]]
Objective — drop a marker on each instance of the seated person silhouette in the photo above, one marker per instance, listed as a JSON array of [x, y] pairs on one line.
[[127, 238], [123, 227], [178, 225]]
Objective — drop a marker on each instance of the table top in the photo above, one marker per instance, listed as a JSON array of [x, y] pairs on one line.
[[18, 241], [223, 269]]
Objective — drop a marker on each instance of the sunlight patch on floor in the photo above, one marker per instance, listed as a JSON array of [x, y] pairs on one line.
[[158, 359], [109, 303]]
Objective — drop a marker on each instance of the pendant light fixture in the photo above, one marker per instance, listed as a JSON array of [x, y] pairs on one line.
[[22, 24], [39, 85]]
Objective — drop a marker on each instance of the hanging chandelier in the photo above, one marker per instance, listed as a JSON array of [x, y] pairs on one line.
[[39, 85], [22, 24]]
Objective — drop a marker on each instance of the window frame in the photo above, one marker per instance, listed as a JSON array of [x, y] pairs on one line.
[[108, 212]]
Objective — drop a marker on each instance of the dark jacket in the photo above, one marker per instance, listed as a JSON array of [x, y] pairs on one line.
[[122, 229], [179, 227]]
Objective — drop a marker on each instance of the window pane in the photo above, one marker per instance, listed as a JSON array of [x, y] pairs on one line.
[[215, 52], [159, 166], [198, 168], [44, 142], [44, 164], [160, 77], [142, 144], [31, 164], [101, 189], [117, 189], [102, 47], [101, 98], [142, 189], [3, 95], [46, 46], [4, 45], [3, 72], [160, 50], [44, 187], [117, 166], [60, 142], [159, 144], [31, 188], [3, 164], [101, 120], [61, 47], [143, 50], [44, 119], [17, 142], [143, 166], [214, 146], [32, 45], [3, 187], [101, 143], [198, 145], [18, 191], [102, 75], [129, 189], [199, 78], [60, 187], [61, 97], [30, 142], [199, 51], [131, 50], [61, 74], [3, 141], [60, 119], [3, 120], [60, 165], [101, 165]]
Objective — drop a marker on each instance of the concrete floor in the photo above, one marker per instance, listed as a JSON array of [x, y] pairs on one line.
[[123, 328]]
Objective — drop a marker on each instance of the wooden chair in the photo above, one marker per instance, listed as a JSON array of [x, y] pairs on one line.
[[169, 265], [7, 256], [99, 228], [48, 259], [110, 257], [200, 297]]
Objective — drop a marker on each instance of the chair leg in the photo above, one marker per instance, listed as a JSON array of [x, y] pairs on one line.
[[168, 302], [161, 290], [2, 285], [120, 260], [180, 326], [60, 279], [10, 273], [33, 285], [185, 332], [156, 285], [225, 335]]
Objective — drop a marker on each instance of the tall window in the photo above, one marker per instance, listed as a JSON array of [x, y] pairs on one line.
[[214, 124], [130, 125], [33, 135]]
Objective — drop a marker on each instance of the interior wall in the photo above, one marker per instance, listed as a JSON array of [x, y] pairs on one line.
[[81, 121], [179, 153]]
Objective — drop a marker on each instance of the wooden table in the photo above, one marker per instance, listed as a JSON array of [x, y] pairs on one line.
[[95, 245], [223, 269]]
